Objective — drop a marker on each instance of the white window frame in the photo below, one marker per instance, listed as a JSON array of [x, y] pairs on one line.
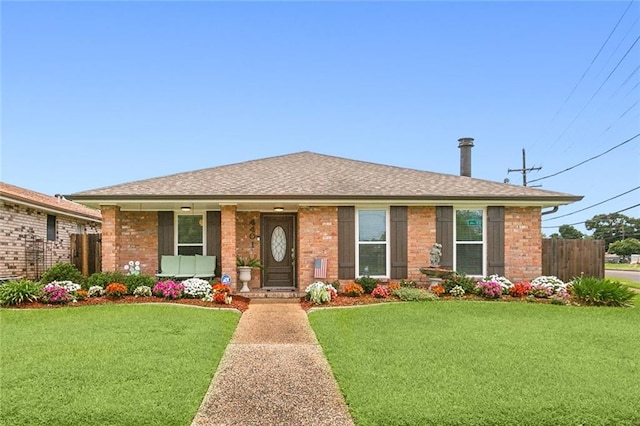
[[484, 238], [387, 243], [203, 215]]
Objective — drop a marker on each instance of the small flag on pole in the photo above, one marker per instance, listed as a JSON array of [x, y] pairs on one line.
[[320, 268]]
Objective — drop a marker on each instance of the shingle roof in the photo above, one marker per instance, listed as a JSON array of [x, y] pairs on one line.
[[308, 175], [60, 205]]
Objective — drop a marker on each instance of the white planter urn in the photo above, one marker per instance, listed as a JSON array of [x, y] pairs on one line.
[[244, 276]]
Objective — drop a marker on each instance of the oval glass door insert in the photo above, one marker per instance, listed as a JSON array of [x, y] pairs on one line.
[[278, 244]]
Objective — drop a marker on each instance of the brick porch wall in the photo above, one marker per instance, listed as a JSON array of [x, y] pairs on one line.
[[421, 236], [139, 237], [228, 244], [110, 237], [523, 243], [247, 247], [317, 237]]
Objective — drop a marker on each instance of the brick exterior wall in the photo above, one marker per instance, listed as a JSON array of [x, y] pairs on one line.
[[317, 237], [421, 236], [20, 225], [110, 237], [523, 243]]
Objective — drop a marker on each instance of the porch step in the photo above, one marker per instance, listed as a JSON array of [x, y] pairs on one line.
[[279, 295]]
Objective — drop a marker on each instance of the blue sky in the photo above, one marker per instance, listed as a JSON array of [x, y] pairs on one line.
[[101, 93]]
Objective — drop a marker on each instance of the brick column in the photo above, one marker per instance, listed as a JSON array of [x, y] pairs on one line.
[[421, 235], [110, 237], [228, 249]]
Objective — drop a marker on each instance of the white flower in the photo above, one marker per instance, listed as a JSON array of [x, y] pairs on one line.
[[131, 263], [196, 287], [71, 287], [137, 263], [126, 267], [95, 291]]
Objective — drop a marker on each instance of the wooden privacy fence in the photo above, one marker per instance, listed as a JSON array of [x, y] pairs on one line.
[[567, 259], [86, 252]]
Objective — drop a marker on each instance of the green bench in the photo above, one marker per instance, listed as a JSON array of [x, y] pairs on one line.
[[182, 266]]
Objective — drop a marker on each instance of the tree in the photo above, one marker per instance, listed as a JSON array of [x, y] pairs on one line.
[[568, 232], [625, 247], [613, 227]]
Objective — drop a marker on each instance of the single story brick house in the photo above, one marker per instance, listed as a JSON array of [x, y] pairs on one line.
[[360, 218], [36, 230]]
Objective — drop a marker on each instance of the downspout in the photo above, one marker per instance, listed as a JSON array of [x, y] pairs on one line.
[[553, 210]]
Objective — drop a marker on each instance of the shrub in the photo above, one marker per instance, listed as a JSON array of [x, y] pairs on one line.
[[95, 291], [81, 294], [380, 292], [520, 289], [168, 289], [459, 279], [103, 279], [489, 289], [70, 286], [593, 291], [541, 291], [115, 290], [320, 292], [367, 283], [21, 291], [142, 291], [196, 288], [410, 294], [436, 289], [457, 291], [353, 290], [393, 286], [133, 281], [408, 284], [505, 284], [554, 283], [62, 272], [54, 293], [560, 298]]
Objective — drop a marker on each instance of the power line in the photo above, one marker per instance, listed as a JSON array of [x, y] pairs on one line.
[[590, 65], [524, 168], [586, 161], [597, 204], [584, 221]]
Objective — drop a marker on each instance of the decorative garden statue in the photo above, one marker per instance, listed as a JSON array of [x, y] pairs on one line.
[[436, 253]]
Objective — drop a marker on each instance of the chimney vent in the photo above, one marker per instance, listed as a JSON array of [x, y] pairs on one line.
[[465, 145]]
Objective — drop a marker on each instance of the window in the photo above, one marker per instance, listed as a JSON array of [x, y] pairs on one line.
[[372, 246], [51, 227], [469, 238], [190, 234]]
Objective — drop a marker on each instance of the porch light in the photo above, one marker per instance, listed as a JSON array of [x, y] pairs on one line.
[[185, 208], [278, 209]]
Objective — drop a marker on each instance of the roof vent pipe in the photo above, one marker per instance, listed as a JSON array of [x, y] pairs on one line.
[[465, 145]]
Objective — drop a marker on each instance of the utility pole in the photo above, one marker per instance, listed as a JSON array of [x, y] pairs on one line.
[[524, 169]]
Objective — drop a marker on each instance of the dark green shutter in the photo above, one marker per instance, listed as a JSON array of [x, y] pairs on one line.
[[214, 238], [165, 235], [495, 240], [444, 235], [398, 242], [346, 243]]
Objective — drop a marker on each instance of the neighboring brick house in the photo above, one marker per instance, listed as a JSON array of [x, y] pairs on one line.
[[36, 229], [363, 218]]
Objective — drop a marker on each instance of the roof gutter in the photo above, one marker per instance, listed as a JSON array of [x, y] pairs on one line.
[[553, 210]]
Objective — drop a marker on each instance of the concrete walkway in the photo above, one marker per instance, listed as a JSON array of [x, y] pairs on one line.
[[273, 373]]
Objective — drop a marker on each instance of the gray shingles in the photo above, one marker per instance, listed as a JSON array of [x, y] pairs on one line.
[[312, 175]]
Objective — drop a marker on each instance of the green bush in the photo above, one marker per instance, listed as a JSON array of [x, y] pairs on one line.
[[62, 272], [461, 279], [367, 283], [134, 281], [410, 284], [413, 294], [103, 279], [22, 291], [593, 291]]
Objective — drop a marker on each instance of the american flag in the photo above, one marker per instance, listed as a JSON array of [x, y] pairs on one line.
[[320, 268]]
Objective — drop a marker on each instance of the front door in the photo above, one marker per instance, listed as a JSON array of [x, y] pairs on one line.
[[278, 250]]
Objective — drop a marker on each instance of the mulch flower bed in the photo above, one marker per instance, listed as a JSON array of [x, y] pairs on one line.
[[240, 303]]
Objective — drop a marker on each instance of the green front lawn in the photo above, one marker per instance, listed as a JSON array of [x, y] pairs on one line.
[[109, 364], [484, 363], [622, 266]]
